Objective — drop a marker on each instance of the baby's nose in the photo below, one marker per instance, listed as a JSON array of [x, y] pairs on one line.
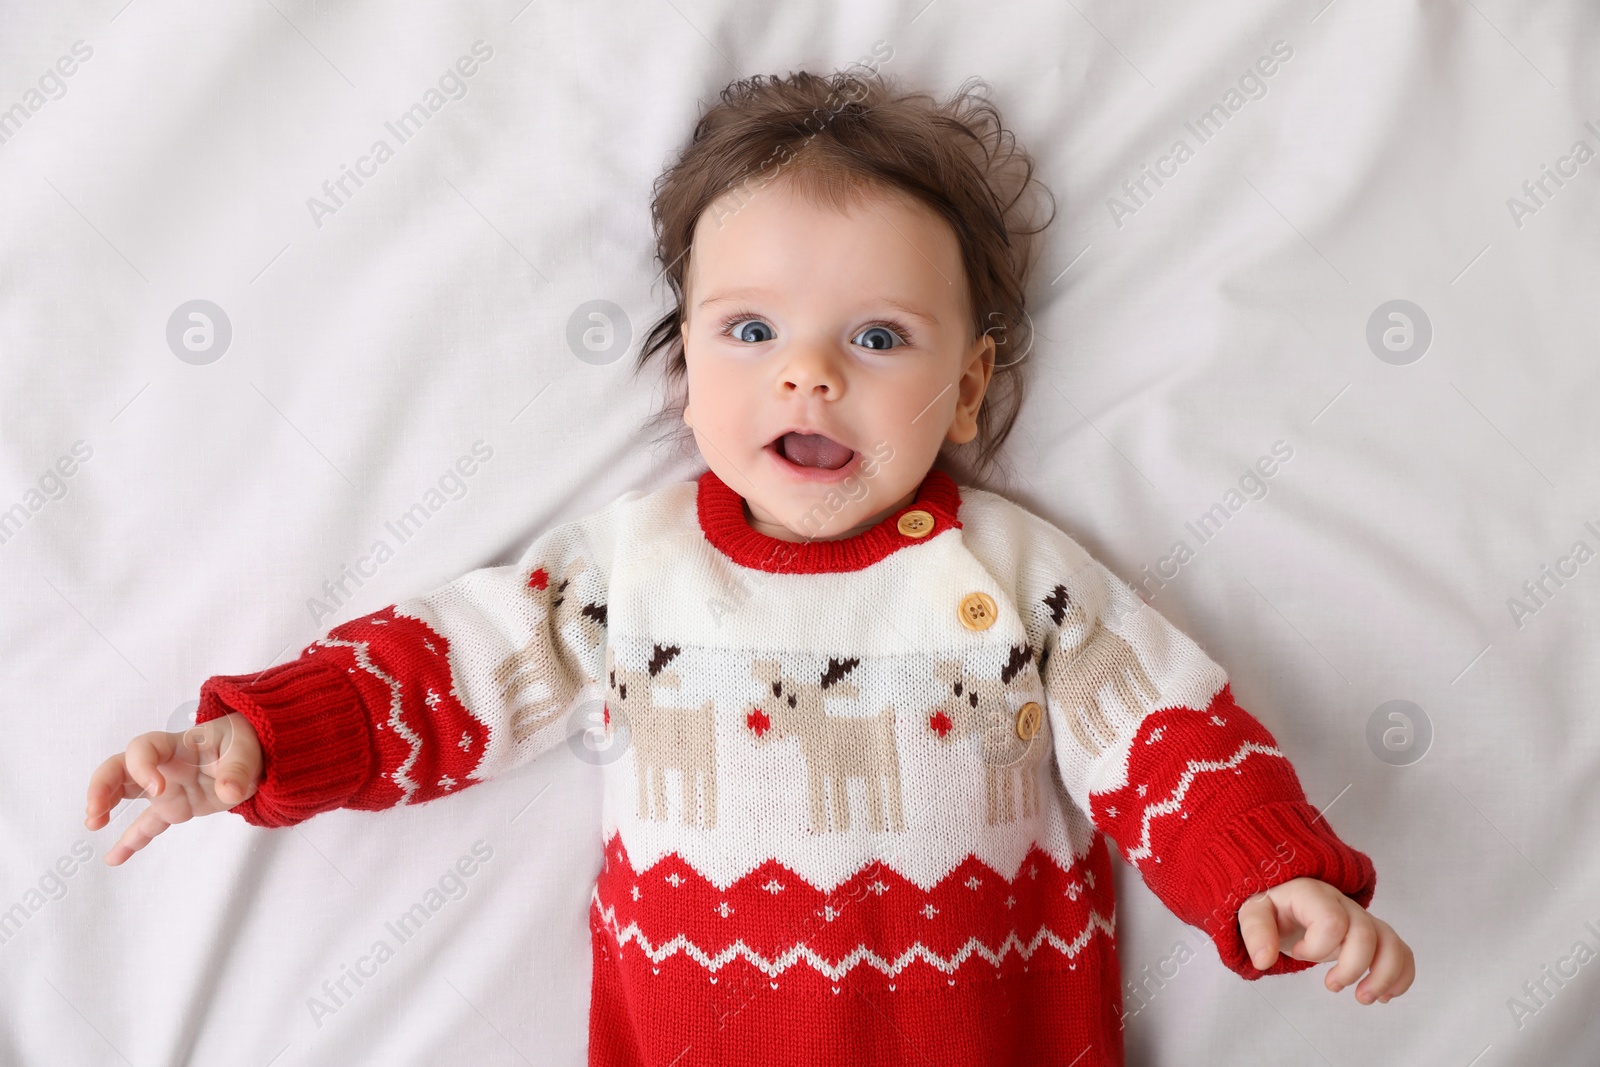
[[813, 371]]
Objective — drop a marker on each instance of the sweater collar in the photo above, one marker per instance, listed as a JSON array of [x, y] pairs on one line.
[[723, 522]]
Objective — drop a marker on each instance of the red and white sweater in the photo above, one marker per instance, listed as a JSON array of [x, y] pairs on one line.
[[856, 792]]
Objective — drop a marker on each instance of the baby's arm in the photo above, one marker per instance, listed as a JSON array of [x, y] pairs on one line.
[[1192, 788], [419, 700]]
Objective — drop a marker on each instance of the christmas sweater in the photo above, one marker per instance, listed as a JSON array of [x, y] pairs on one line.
[[856, 792]]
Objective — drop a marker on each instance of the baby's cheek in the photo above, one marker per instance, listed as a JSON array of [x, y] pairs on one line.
[[719, 400]]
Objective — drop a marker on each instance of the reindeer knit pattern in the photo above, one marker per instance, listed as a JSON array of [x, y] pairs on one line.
[[857, 792]]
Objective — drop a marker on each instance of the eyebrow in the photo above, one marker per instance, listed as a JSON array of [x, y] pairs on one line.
[[730, 295]]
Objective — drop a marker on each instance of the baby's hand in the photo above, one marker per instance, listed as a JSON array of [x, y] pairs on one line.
[[204, 769], [1320, 923]]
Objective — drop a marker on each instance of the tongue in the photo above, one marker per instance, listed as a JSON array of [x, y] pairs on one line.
[[814, 450]]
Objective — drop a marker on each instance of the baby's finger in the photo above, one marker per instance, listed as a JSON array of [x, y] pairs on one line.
[[1326, 922], [236, 769], [1258, 928], [109, 784], [106, 787], [1408, 974], [1355, 951], [139, 833], [1388, 966], [147, 752], [235, 782]]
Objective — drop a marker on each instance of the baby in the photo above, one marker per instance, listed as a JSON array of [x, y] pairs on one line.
[[865, 730]]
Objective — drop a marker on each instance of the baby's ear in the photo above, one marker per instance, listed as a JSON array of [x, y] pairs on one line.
[[972, 386], [987, 349]]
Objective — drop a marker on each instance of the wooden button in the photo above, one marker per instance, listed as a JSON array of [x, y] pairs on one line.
[[915, 523], [1028, 719], [977, 611]]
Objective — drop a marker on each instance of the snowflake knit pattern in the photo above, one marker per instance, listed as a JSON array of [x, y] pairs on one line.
[[861, 809]]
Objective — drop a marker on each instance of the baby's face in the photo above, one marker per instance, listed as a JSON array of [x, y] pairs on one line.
[[829, 355]]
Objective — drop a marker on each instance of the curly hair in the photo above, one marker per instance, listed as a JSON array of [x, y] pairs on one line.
[[836, 137]]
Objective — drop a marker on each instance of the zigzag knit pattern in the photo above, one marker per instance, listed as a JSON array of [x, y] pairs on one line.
[[858, 792], [876, 920]]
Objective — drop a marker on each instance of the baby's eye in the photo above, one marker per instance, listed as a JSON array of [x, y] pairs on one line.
[[879, 338], [751, 331]]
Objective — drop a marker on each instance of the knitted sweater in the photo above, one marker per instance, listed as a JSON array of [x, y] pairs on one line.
[[856, 793]]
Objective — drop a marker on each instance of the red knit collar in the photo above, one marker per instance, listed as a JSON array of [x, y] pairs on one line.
[[722, 520]]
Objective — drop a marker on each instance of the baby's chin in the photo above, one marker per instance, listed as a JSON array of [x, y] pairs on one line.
[[833, 528], [819, 515], [780, 512]]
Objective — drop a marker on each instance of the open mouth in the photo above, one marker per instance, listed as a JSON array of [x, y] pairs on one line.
[[813, 450]]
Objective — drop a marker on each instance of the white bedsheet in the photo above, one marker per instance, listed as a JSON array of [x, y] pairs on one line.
[[1186, 328]]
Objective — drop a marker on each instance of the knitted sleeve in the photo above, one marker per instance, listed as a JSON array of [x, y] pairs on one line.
[[432, 694], [1192, 788]]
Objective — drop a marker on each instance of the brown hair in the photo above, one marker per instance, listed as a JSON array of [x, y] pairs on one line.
[[840, 135]]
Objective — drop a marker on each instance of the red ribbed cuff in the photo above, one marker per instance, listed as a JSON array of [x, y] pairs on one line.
[[1262, 847], [314, 739]]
